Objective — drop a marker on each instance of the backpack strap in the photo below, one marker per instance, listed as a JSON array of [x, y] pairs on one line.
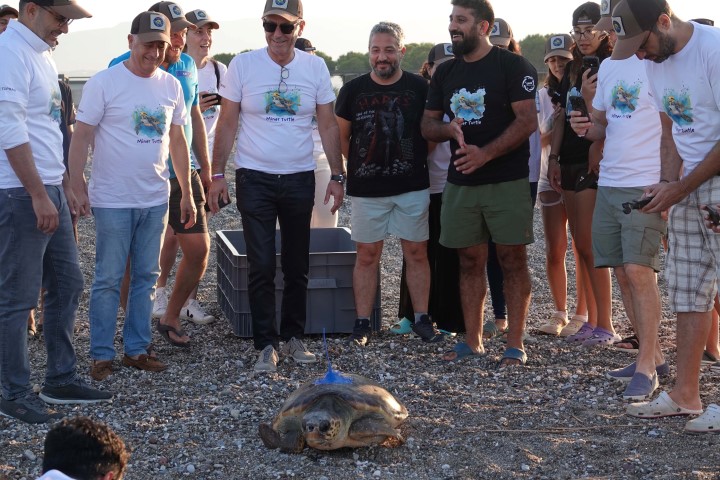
[[217, 72]]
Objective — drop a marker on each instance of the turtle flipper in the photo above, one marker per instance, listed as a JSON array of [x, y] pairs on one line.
[[371, 430], [292, 441], [270, 437]]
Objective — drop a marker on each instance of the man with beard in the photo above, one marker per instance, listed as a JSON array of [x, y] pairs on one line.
[[194, 241], [379, 117], [689, 108], [489, 95]]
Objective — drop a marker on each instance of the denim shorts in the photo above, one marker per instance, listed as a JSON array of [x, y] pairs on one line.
[[404, 216]]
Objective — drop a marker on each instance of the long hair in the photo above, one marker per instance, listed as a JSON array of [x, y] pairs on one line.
[[604, 50]]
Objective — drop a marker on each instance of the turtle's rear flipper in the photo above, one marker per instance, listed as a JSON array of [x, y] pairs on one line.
[[270, 437]]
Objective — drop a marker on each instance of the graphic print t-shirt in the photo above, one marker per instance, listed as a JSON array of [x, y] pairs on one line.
[[686, 87], [481, 93], [388, 155]]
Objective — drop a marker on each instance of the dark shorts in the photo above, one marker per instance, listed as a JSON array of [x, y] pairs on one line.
[[571, 174], [174, 207]]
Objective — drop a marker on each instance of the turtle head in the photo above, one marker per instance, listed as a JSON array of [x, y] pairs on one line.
[[322, 429]]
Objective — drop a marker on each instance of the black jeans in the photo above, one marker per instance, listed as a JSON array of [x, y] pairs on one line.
[[263, 199]]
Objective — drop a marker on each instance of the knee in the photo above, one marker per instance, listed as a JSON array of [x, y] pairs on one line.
[[367, 256]]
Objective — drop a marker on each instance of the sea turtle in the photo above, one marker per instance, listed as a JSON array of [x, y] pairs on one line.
[[327, 416]]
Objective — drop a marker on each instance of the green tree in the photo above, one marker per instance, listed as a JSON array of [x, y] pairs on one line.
[[533, 48], [415, 55], [331, 64], [224, 57], [352, 62]]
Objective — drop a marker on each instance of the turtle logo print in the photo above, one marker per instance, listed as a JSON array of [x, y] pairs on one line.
[[468, 106], [528, 84], [624, 98], [149, 123], [175, 11], [157, 23], [280, 4], [557, 42], [55, 106], [618, 26], [282, 104], [679, 108]]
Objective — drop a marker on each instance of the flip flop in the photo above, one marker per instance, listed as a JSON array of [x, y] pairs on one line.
[[708, 422], [708, 358], [490, 330], [402, 327], [512, 353], [164, 331], [662, 406], [632, 341], [461, 350]]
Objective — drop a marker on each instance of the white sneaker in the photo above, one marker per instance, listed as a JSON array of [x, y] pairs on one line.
[[555, 324], [296, 349], [161, 302], [267, 360], [573, 326], [194, 312]]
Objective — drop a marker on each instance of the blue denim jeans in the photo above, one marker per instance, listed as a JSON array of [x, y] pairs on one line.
[[264, 199], [30, 259], [137, 232]]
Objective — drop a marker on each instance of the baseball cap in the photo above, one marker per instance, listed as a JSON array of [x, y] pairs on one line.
[[501, 33], [606, 8], [290, 10], [66, 8], [630, 20], [200, 18], [440, 52], [174, 13], [304, 44], [586, 14], [151, 27], [8, 10], [558, 46]]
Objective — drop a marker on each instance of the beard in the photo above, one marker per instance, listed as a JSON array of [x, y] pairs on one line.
[[388, 73], [466, 45], [666, 49]]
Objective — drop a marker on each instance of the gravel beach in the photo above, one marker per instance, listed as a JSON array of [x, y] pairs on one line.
[[558, 417]]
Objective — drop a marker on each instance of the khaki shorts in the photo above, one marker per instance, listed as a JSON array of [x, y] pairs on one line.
[[404, 216], [471, 215], [618, 238]]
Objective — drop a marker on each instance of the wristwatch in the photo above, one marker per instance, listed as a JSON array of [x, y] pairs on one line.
[[338, 178]]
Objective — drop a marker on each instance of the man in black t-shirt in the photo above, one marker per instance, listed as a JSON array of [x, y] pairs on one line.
[[489, 95], [379, 116]]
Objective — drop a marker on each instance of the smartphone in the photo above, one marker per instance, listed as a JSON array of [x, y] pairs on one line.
[[555, 97], [591, 62], [635, 205], [216, 96], [713, 215], [578, 103], [221, 202]]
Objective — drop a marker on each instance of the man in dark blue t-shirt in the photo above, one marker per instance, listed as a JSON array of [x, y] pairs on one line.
[[489, 95]]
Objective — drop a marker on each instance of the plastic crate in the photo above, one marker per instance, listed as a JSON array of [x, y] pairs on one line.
[[330, 303]]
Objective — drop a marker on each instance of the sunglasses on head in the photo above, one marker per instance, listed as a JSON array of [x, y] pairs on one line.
[[285, 28]]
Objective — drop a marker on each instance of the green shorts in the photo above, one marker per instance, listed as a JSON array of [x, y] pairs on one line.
[[471, 215], [618, 238]]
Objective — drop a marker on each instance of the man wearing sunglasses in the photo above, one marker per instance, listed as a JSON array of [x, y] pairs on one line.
[[194, 241], [37, 247], [276, 91], [689, 106]]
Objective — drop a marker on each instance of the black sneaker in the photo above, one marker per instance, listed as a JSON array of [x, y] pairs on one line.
[[75, 392], [425, 329], [28, 409], [361, 333]]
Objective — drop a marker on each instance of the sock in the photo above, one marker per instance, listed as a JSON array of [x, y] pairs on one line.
[[363, 322]]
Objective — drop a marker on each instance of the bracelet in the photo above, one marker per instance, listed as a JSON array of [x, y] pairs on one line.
[[554, 156], [218, 175]]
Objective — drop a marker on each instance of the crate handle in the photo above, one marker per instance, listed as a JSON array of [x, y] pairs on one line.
[[319, 283]]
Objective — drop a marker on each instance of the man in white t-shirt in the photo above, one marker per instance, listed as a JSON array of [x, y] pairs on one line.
[[37, 247], [690, 156], [624, 238], [275, 92], [132, 113]]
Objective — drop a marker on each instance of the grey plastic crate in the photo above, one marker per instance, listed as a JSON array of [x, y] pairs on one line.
[[330, 304]]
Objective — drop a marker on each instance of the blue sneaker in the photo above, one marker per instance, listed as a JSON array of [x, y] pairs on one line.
[[641, 387], [625, 374]]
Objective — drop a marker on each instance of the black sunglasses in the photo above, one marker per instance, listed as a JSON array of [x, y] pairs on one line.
[[285, 28], [62, 21]]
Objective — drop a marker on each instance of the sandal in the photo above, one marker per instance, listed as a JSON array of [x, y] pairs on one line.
[[632, 342], [601, 338], [715, 367], [708, 358], [402, 327], [512, 354], [708, 422], [491, 330], [461, 350], [164, 331], [662, 406], [583, 333]]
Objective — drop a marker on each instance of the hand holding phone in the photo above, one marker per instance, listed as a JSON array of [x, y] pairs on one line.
[[592, 63]]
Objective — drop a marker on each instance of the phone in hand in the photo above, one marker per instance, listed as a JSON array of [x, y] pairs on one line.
[[578, 103], [555, 97], [591, 62], [635, 205], [215, 96], [713, 215]]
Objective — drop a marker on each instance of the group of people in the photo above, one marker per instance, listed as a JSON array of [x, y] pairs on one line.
[[450, 164]]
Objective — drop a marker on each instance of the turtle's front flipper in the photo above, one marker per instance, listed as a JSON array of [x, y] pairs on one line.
[[371, 430], [292, 441], [270, 437]]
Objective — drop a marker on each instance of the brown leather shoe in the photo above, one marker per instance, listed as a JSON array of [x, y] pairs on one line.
[[101, 369], [144, 362]]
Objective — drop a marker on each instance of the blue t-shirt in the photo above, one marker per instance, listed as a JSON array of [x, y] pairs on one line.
[[186, 73]]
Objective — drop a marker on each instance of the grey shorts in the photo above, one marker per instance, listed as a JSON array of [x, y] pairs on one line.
[[694, 255], [618, 238], [404, 216]]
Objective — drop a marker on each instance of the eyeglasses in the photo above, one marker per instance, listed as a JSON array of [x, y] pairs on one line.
[[588, 34], [285, 28], [284, 74], [62, 21], [644, 43]]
